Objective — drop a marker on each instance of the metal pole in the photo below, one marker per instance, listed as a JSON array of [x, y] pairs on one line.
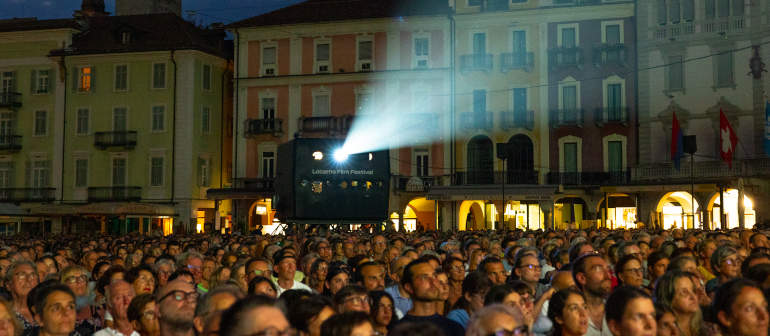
[[722, 207], [505, 176], [692, 191]]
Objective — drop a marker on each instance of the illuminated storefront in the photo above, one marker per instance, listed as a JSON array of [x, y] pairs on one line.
[[676, 208], [731, 212]]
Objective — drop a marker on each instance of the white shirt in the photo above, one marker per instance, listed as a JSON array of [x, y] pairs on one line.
[[112, 332], [297, 285], [593, 331]]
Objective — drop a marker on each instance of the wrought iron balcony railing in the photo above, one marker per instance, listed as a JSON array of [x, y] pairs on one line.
[[517, 60], [10, 142], [589, 178], [476, 120], [263, 126], [611, 115], [610, 54], [27, 194], [567, 117], [517, 119], [413, 183], [114, 194], [565, 57], [10, 99], [496, 177], [126, 139], [476, 62], [329, 124]]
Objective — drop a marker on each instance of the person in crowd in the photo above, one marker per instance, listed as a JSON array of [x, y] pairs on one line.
[[142, 278], [592, 275], [262, 286], [337, 278], [176, 304], [569, 313], [492, 267], [259, 267], [740, 308], [657, 262], [400, 297], [164, 267], [497, 319], [705, 249], [215, 301], [630, 312], [666, 321], [76, 278], [383, 311], [317, 275], [141, 313], [371, 275], [475, 288], [676, 291], [254, 315], [118, 295], [455, 269], [9, 324], [725, 265], [285, 265], [354, 323], [420, 282], [352, 298], [238, 276], [54, 309], [630, 271], [20, 278], [307, 315]]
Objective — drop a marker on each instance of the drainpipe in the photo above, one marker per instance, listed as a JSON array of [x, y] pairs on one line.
[[63, 68], [452, 108], [236, 75], [221, 125], [173, 131]]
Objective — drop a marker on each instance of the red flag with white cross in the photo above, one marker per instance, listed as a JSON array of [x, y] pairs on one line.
[[727, 138]]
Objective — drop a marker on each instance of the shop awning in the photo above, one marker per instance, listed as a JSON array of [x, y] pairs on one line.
[[137, 209]]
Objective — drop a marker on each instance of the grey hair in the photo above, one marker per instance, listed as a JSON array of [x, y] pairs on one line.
[[308, 257], [480, 318], [623, 245], [16, 264], [162, 262], [719, 255], [107, 289], [204, 307], [181, 260]]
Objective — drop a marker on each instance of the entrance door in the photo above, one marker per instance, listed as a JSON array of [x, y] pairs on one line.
[[480, 161], [521, 162]]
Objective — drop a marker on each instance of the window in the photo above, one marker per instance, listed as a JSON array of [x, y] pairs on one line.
[[569, 104], [479, 101], [363, 102], [520, 105], [724, 69], [738, 7], [158, 118], [570, 157], [6, 174], [268, 164], [119, 119], [206, 120], [662, 13], [268, 61], [422, 162], [207, 77], [118, 172], [6, 127], [421, 52], [268, 108], [159, 76], [673, 12], [365, 55], [125, 37], [85, 79], [675, 72], [83, 121], [710, 9], [615, 156], [203, 172], [7, 79], [41, 173], [156, 171], [321, 105], [322, 57], [723, 8], [614, 101], [41, 81], [688, 10], [41, 123], [474, 2], [479, 43], [612, 34], [81, 173], [121, 77]]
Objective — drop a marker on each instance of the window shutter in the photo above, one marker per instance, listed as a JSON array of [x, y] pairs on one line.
[[738, 7], [93, 79], [710, 9], [662, 12], [48, 173], [28, 173], [674, 11], [688, 10], [33, 82]]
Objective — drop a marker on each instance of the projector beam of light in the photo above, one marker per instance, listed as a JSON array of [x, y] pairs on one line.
[[396, 124], [340, 155]]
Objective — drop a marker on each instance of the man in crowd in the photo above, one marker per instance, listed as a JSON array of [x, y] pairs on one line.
[[593, 276], [176, 308], [119, 295]]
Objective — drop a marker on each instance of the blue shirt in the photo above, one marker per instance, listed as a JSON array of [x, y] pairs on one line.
[[460, 316], [403, 304]]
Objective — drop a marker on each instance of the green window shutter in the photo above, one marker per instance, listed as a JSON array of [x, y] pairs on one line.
[[93, 79], [33, 82], [27, 173]]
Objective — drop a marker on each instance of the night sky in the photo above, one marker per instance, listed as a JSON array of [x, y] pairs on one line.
[[207, 11]]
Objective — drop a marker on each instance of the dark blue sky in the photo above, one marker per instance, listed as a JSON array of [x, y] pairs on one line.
[[207, 10]]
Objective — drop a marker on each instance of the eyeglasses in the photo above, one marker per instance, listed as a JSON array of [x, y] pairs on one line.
[[531, 267], [76, 279], [25, 276], [518, 331], [150, 315], [358, 300], [180, 295], [272, 331], [633, 270]]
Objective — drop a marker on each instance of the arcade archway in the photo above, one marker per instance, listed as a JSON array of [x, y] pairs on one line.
[[419, 212], [731, 213], [569, 213], [262, 217], [621, 212], [676, 208], [471, 215]]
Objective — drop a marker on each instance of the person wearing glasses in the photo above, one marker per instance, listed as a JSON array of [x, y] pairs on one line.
[[630, 271], [497, 320], [527, 269], [254, 316], [193, 262], [76, 278], [352, 298], [592, 275], [119, 295], [141, 313], [726, 265], [176, 304], [630, 312], [20, 279]]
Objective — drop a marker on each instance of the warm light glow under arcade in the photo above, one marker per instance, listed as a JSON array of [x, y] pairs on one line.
[[200, 219], [731, 211], [410, 220], [621, 217], [516, 212]]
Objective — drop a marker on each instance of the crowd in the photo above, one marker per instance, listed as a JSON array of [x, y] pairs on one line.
[[595, 282]]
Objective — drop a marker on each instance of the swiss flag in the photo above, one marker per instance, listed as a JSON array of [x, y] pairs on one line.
[[727, 138]]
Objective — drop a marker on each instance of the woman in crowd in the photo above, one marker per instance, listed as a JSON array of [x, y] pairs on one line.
[[141, 313], [726, 264], [442, 281], [475, 288], [497, 319], [238, 275], [142, 278], [76, 278], [675, 290], [348, 324], [666, 321], [307, 315], [220, 276], [318, 270], [20, 278], [740, 308], [567, 309], [630, 271], [337, 278], [262, 286], [54, 306], [9, 323], [383, 312], [630, 312]]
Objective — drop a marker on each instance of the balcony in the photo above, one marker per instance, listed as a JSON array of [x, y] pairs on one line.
[[566, 57], [327, 125], [517, 61], [413, 183], [517, 119], [589, 178], [610, 54], [567, 117], [10, 99], [256, 127], [114, 194], [611, 115], [497, 177], [702, 171], [476, 120], [10, 143], [125, 139], [17, 195], [245, 188], [575, 2], [735, 24], [476, 62]]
